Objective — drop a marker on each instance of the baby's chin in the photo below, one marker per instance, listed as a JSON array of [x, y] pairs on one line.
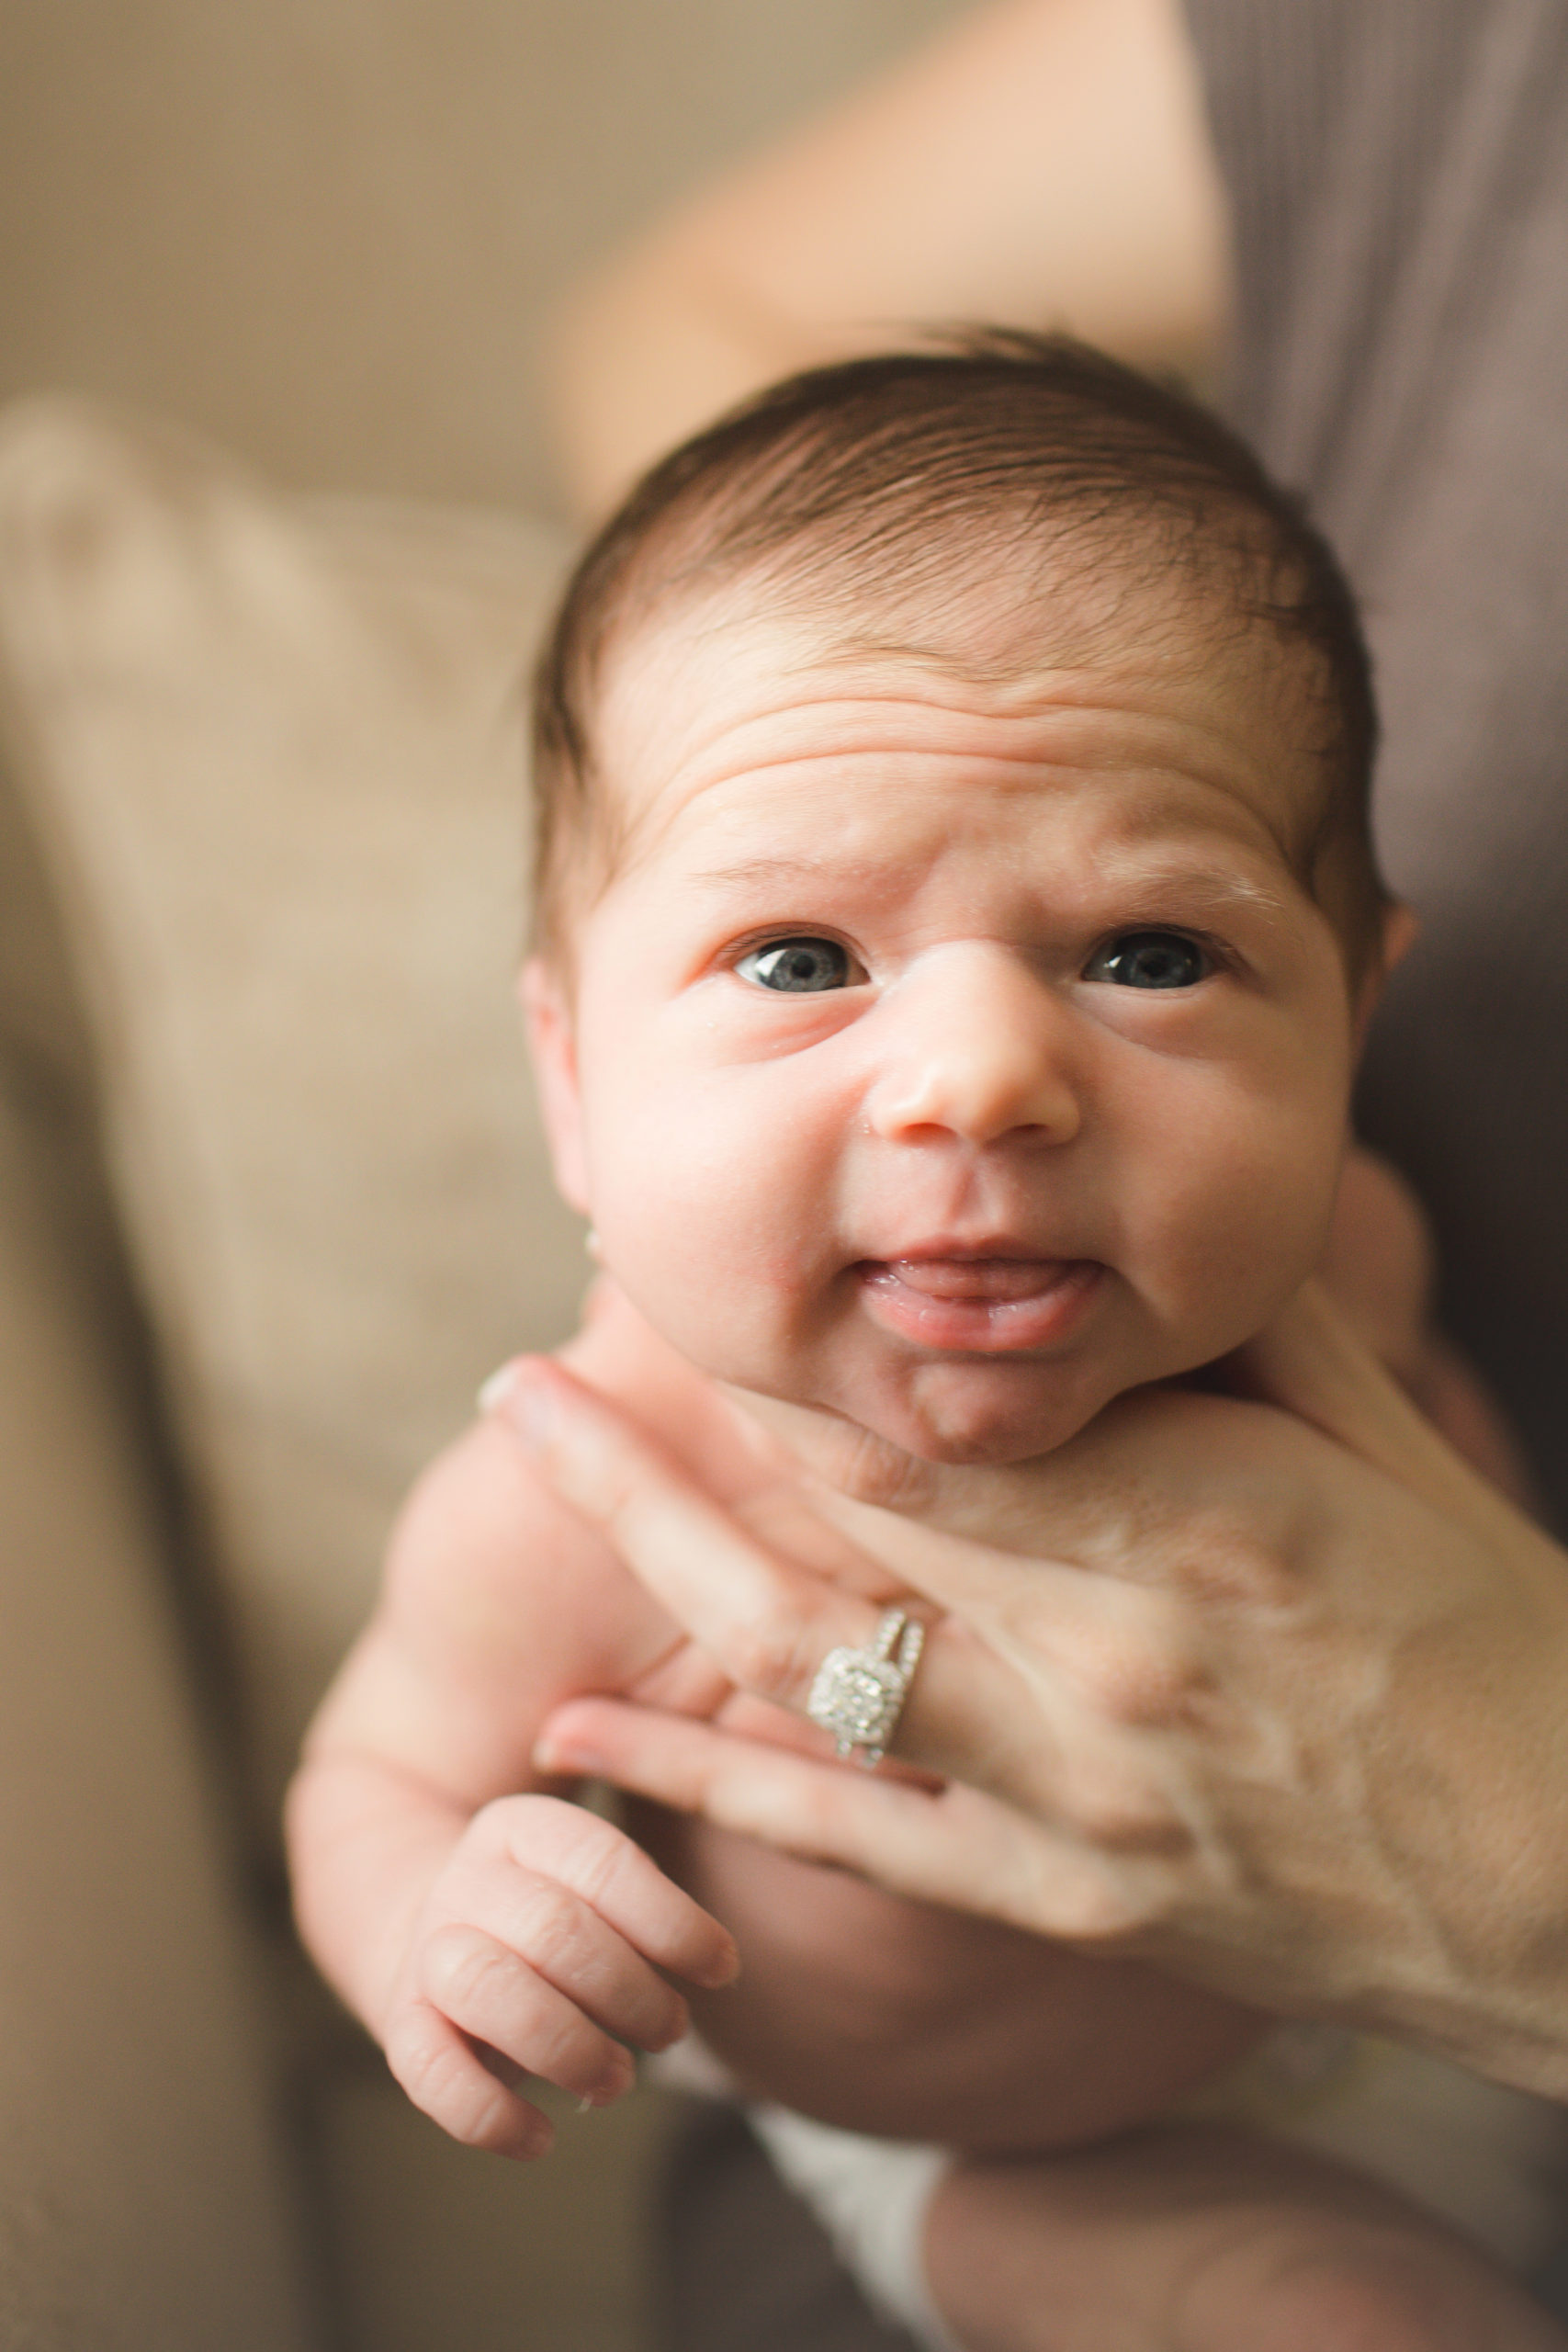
[[947, 1415]]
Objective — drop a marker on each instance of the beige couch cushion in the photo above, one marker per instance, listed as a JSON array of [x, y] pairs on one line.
[[145, 2196], [273, 755]]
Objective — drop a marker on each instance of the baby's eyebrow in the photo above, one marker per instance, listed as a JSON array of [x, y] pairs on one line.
[[1195, 881], [794, 869], [1137, 877]]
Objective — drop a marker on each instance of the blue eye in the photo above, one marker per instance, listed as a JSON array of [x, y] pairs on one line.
[[798, 966], [1150, 959]]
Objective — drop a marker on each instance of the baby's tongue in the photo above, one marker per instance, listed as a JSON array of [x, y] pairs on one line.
[[998, 1279]]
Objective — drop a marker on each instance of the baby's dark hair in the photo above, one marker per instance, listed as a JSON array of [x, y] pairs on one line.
[[889, 475]]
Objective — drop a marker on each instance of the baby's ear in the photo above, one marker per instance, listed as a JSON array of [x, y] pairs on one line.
[[546, 1013], [1400, 926]]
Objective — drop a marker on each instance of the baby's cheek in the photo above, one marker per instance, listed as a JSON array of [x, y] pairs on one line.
[[707, 1275], [710, 1196], [1227, 1248]]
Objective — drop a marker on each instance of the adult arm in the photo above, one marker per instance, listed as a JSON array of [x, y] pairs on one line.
[[1274, 1691], [1044, 162]]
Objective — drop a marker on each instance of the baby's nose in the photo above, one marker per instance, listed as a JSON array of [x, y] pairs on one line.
[[979, 1046]]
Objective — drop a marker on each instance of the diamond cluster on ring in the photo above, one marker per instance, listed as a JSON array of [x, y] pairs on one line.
[[858, 1695]]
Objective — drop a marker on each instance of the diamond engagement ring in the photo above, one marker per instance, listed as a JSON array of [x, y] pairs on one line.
[[859, 1694]]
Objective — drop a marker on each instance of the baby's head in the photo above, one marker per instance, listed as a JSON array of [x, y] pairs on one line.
[[956, 907]]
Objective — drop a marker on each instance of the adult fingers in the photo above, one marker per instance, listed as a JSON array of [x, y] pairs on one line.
[[1040, 1647], [1310, 1361], [769, 1619], [769, 1622], [954, 1844]]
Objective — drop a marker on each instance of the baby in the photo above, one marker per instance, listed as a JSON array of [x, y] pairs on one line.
[[956, 921]]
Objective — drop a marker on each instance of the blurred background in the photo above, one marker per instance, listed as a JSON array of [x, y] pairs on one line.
[[326, 233]]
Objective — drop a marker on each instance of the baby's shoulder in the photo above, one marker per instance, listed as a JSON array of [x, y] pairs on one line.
[[484, 1556]]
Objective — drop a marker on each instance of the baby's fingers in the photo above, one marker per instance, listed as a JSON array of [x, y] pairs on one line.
[[553, 1852], [493, 1995], [445, 2075]]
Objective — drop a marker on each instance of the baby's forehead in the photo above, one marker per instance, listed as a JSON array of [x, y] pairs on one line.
[[747, 666]]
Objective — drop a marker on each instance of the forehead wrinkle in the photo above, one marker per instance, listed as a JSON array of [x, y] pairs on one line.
[[817, 677], [835, 697], [1033, 738], [1056, 663]]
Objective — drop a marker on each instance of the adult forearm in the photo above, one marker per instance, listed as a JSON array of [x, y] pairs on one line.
[[646, 354], [1042, 163]]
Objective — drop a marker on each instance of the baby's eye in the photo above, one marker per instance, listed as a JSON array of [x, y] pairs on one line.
[[798, 966], [1150, 959]]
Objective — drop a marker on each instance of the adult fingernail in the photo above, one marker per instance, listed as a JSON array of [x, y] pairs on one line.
[[521, 1399], [498, 1387], [553, 1755]]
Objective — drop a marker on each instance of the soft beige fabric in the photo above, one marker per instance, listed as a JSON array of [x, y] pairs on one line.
[[327, 232], [273, 756], [441, 2249], [145, 2197]]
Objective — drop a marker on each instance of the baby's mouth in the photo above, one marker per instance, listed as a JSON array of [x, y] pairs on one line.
[[985, 1306]]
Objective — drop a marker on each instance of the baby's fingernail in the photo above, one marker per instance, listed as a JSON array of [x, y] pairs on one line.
[[725, 1969], [616, 2079], [668, 2035]]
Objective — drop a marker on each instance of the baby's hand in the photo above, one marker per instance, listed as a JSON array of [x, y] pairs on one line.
[[537, 1951]]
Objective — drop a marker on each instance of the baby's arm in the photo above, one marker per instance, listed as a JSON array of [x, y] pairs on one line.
[[482, 1927]]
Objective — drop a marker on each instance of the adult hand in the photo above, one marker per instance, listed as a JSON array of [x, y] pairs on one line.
[[1271, 1689]]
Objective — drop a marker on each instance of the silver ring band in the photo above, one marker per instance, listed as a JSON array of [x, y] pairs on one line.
[[859, 1695]]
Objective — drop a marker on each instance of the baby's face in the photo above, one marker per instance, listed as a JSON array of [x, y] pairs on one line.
[[953, 1047]]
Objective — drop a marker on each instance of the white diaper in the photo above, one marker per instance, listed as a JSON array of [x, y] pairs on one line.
[[871, 2197], [1491, 2160]]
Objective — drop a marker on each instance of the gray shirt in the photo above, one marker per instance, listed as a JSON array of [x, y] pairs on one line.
[[1398, 171]]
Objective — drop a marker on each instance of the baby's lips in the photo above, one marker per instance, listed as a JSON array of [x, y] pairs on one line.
[[993, 1279]]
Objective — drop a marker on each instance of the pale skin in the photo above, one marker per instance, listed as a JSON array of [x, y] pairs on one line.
[[958, 1255]]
